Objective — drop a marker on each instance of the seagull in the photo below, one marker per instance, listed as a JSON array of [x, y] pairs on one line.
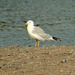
[[38, 34]]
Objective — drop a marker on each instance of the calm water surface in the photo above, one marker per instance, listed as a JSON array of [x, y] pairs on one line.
[[56, 17]]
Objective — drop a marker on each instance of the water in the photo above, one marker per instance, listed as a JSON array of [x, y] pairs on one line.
[[56, 17]]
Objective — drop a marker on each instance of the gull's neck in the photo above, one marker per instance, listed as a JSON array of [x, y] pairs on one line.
[[30, 27]]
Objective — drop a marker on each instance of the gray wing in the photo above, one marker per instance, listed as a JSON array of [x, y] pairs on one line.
[[38, 30], [41, 33]]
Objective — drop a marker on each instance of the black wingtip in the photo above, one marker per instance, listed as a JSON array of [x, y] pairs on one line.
[[55, 38]]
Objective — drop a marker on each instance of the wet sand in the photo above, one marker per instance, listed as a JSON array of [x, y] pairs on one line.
[[51, 60]]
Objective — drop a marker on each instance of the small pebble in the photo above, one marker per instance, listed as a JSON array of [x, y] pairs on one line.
[[63, 61], [61, 70]]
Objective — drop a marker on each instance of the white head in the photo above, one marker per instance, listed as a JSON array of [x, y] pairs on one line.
[[30, 22]]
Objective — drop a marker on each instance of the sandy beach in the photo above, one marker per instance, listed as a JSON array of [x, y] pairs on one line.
[[50, 60]]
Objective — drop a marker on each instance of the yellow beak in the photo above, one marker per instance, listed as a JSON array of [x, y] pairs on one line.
[[26, 24]]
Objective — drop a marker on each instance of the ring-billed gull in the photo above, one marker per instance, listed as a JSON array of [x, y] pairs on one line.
[[37, 33]]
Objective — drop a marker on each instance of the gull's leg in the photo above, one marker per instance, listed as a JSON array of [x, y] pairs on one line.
[[36, 43]]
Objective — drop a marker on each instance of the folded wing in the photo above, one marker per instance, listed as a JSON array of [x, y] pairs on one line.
[[41, 33]]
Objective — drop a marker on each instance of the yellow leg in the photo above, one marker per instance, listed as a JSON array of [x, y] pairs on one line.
[[38, 43]]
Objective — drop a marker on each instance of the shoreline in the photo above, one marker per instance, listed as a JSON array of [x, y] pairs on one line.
[[46, 60]]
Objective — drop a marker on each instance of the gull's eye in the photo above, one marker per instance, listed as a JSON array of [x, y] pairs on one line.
[[29, 22]]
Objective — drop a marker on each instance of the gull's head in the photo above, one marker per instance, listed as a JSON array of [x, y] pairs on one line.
[[30, 22]]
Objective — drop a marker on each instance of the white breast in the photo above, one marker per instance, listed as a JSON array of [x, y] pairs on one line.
[[30, 29]]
